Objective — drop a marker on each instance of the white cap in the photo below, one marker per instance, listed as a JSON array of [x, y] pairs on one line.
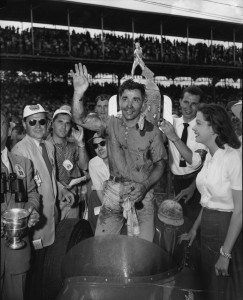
[[30, 110], [237, 108], [65, 109]]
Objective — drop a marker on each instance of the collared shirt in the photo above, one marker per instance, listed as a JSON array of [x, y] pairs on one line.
[[67, 151], [4, 157], [220, 174], [99, 173], [132, 151], [174, 154], [37, 142]]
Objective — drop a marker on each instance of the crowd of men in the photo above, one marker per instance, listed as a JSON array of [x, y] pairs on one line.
[[55, 42], [125, 156]]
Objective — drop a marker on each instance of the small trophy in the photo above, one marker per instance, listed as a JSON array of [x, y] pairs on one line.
[[15, 224]]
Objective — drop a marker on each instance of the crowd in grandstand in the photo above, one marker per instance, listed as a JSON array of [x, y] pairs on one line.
[[56, 42]]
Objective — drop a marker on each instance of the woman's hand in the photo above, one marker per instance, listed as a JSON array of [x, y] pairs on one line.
[[190, 236], [221, 266], [186, 194]]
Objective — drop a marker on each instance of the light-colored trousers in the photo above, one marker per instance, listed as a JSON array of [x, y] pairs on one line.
[[111, 218]]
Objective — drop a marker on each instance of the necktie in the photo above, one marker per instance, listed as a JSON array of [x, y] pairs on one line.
[[46, 158], [184, 140]]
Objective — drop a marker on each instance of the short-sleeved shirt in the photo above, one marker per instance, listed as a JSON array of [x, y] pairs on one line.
[[99, 173], [220, 174], [174, 154], [66, 151], [131, 151]]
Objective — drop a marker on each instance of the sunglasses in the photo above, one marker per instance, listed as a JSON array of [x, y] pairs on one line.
[[102, 144], [41, 122]]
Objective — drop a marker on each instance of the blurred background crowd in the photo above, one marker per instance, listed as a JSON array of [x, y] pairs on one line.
[[56, 42]]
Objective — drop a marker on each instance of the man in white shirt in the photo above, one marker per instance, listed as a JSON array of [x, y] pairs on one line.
[[183, 164], [99, 173]]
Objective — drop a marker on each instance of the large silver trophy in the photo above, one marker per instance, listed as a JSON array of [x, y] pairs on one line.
[[15, 224]]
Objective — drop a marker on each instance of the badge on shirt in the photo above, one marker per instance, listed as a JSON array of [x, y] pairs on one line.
[[19, 170], [37, 178], [67, 165]]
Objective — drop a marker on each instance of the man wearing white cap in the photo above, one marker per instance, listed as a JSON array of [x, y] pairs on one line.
[[70, 157], [41, 153], [15, 264]]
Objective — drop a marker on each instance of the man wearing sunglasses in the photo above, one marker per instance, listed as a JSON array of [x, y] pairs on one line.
[[16, 263], [136, 157], [101, 109], [41, 153], [99, 174]]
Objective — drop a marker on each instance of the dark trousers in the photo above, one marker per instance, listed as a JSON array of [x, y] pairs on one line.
[[192, 208], [214, 227], [93, 202], [13, 286], [35, 277]]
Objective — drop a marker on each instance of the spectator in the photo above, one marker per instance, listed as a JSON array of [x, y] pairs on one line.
[[17, 135], [41, 154], [70, 157], [99, 174], [237, 111], [220, 220], [101, 108], [184, 169], [55, 42], [15, 264]]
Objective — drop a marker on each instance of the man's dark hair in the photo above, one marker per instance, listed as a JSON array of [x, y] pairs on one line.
[[102, 97], [132, 85], [193, 90]]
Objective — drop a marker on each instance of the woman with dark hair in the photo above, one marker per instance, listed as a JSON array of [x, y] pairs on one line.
[[220, 219]]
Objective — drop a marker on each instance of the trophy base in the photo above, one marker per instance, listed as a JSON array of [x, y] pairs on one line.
[[16, 245]]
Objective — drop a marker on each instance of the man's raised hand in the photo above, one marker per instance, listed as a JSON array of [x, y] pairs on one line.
[[80, 78]]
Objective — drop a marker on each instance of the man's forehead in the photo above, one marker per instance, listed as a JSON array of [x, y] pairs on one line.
[[133, 92], [102, 102], [65, 117], [190, 96]]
